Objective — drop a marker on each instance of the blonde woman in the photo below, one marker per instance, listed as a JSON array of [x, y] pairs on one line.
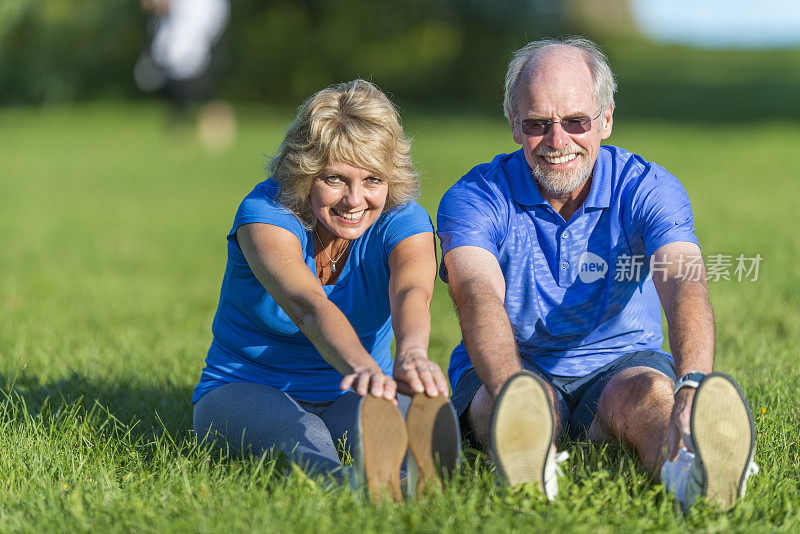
[[327, 260]]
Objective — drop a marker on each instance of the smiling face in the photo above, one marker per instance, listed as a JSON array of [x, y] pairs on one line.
[[346, 200], [560, 86]]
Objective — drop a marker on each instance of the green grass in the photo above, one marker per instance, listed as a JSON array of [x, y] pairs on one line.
[[113, 238]]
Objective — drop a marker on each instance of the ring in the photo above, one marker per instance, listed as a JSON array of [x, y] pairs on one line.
[[432, 368]]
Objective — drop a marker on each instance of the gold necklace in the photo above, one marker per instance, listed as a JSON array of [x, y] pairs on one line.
[[333, 262]]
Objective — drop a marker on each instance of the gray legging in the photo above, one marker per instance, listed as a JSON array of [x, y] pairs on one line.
[[257, 418]]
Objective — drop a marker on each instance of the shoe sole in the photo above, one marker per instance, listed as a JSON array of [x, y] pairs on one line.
[[724, 438], [384, 441], [522, 430], [434, 440]]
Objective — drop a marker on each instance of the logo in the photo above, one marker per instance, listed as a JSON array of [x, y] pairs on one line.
[[591, 267]]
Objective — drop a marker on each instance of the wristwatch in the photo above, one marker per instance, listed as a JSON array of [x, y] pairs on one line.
[[691, 379]]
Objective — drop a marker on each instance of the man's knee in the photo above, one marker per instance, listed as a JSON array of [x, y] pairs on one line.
[[634, 394], [479, 415], [481, 410]]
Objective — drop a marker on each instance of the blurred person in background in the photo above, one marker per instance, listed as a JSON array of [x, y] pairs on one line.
[[327, 259], [180, 60], [554, 340]]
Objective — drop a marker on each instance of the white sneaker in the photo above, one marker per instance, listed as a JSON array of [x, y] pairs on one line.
[[522, 435], [684, 477], [675, 475], [724, 439]]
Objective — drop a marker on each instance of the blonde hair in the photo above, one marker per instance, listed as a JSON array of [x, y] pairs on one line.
[[353, 123]]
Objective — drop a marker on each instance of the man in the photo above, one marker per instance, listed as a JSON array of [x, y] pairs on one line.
[[553, 340], [180, 59]]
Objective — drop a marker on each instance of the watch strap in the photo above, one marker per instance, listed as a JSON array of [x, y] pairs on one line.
[[691, 379]]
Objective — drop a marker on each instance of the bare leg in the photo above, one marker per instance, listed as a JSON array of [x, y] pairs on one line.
[[635, 408], [479, 413]]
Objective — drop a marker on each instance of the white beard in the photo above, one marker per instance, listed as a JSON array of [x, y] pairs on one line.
[[560, 183]]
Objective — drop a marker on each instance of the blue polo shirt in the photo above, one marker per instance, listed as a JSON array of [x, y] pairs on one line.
[[573, 294], [256, 341]]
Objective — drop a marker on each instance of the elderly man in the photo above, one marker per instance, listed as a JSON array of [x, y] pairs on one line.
[[559, 258]]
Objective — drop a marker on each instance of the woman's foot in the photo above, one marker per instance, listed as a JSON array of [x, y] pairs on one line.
[[434, 442], [381, 447]]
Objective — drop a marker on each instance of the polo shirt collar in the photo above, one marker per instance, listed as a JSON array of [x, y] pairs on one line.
[[523, 187], [600, 193], [525, 191]]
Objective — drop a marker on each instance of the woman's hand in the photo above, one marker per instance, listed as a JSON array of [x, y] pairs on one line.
[[415, 373], [371, 380]]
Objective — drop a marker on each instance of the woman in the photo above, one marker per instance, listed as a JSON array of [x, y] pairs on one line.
[[325, 260]]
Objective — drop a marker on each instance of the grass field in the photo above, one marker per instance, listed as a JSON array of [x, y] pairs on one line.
[[113, 237]]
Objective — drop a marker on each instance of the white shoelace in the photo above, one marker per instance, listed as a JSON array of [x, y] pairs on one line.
[[552, 472], [560, 458]]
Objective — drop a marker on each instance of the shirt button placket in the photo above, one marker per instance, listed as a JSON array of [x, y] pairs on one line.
[[564, 272]]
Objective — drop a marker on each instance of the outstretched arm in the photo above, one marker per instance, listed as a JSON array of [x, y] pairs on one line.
[[412, 264], [275, 257], [690, 321], [478, 289]]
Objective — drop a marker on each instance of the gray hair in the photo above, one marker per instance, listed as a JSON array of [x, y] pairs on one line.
[[604, 83]]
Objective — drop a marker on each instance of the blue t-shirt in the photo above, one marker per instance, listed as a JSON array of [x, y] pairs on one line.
[[573, 296], [256, 341]]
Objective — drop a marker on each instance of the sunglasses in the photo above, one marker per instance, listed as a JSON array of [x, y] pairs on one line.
[[574, 125]]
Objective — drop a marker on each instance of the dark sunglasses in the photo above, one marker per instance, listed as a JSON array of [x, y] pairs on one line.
[[573, 125]]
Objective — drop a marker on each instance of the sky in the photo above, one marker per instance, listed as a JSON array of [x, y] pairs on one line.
[[720, 23]]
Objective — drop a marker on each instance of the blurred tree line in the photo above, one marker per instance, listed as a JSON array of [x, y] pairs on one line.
[[277, 50]]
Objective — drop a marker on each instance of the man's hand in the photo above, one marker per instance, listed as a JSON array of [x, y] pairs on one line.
[[415, 373], [680, 434]]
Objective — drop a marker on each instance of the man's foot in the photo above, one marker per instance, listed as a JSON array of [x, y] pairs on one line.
[[724, 441], [434, 441], [381, 446], [522, 435]]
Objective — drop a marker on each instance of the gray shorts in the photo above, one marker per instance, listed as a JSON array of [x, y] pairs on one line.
[[578, 395]]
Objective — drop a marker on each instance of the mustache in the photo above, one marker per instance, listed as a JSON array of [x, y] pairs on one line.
[[558, 153]]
